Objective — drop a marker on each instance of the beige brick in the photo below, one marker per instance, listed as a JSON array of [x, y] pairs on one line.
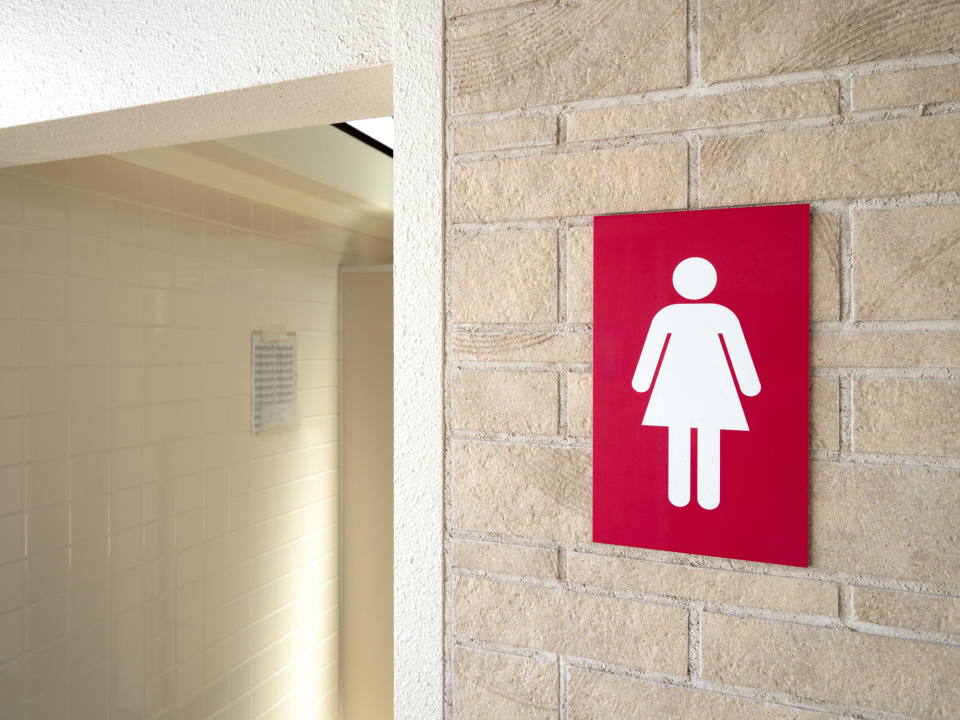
[[687, 113], [523, 347], [735, 588], [505, 401], [491, 685], [570, 52], [907, 87], [824, 413], [906, 263], [652, 637], [455, 8], [885, 521], [885, 349], [493, 557], [838, 666], [824, 267], [580, 404], [651, 177], [498, 134], [909, 610], [906, 417], [602, 696], [824, 270], [522, 490], [850, 161], [580, 274], [504, 277], [766, 37]]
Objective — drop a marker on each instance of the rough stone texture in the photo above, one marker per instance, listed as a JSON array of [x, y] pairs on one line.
[[498, 134], [768, 37], [521, 560], [651, 637], [906, 417], [580, 274], [651, 177], [885, 349], [868, 671], [456, 8], [850, 161], [824, 270], [824, 267], [580, 404], [521, 490], [907, 87], [523, 347], [918, 612], [567, 53], [749, 106], [824, 413], [906, 263], [885, 521], [504, 277], [491, 685], [505, 401], [602, 696], [884, 289], [735, 588]]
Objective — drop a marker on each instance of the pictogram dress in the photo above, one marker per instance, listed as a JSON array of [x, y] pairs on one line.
[[694, 387]]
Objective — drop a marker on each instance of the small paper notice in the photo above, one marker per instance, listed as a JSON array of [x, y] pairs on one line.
[[274, 380]]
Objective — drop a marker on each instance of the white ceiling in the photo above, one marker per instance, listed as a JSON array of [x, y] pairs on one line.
[[321, 172]]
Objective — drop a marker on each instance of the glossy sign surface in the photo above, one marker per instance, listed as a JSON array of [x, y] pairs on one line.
[[700, 381]]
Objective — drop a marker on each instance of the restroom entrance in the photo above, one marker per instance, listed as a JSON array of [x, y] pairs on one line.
[[178, 450]]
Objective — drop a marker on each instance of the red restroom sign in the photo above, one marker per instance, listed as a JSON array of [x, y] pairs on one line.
[[700, 382]]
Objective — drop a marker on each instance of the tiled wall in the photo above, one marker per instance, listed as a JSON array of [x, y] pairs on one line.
[[156, 559], [559, 110]]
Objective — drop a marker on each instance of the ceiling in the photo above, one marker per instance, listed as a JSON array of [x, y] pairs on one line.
[[320, 172]]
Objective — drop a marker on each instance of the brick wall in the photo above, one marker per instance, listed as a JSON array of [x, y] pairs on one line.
[[561, 110]]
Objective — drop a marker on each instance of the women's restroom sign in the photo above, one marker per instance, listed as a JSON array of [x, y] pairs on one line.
[[700, 382]]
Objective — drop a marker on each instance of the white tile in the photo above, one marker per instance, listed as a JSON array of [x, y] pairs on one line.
[[46, 621], [11, 287], [11, 584], [45, 251], [11, 247], [45, 390], [45, 297], [10, 383], [44, 343], [47, 574], [45, 437], [46, 483], [10, 434], [48, 528], [88, 257], [10, 638], [44, 204], [9, 198], [89, 301], [88, 214]]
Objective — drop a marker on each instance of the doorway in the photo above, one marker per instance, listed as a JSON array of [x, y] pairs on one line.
[[171, 428], [339, 93]]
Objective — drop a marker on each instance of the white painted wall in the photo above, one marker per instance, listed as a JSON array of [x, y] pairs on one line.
[[88, 56], [418, 361]]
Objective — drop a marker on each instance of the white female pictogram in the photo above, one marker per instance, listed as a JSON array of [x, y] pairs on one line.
[[694, 388]]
